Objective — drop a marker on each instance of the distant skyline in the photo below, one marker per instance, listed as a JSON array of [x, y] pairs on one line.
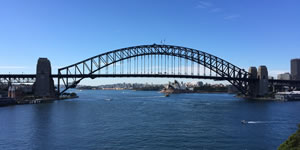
[[245, 33]]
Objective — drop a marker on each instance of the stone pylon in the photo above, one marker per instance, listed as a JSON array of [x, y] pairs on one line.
[[263, 77], [44, 84], [253, 85]]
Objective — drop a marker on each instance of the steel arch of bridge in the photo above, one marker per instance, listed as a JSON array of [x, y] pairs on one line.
[[90, 68]]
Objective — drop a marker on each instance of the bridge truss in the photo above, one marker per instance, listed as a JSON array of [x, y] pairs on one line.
[[17, 78], [163, 61]]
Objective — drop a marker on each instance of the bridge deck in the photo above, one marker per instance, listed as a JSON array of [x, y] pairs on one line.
[[217, 78], [124, 76]]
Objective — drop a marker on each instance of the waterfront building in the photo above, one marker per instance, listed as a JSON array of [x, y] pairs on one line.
[[288, 96], [284, 76], [191, 84], [12, 92], [295, 69], [19, 91], [175, 87]]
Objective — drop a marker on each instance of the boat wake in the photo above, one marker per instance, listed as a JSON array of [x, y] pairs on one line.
[[262, 122], [150, 97]]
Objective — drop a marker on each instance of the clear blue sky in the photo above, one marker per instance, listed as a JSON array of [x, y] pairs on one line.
[[243, 32]]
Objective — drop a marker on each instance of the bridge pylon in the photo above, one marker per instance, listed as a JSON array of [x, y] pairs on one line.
[[44, 84], [253, 85], [263, 77], [259, 87]]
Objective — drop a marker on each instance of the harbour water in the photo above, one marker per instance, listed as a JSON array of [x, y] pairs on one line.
[[103, 119]]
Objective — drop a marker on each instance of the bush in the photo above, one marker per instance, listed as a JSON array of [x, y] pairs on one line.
[[292, 143], [73, 94]]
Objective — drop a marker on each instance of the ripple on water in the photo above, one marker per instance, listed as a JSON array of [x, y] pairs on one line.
[[148, 120]]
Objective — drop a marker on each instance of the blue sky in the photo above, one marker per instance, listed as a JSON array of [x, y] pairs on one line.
[[243, 32]]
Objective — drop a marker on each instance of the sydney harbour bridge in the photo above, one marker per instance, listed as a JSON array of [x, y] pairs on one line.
[[156, 61]]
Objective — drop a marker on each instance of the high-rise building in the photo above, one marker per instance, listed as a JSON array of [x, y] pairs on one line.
[[295, 69]]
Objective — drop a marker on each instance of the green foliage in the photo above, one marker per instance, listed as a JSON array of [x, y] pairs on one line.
[[150, 88], [292, 143], [73, 94], [209, 88]]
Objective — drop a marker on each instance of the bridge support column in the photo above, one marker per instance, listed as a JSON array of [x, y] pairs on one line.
[[260, 87], [262, 75], [253, 86], [44, 84]]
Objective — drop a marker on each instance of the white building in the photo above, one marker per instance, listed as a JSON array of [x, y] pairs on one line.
[[176, 85], [284, 76]]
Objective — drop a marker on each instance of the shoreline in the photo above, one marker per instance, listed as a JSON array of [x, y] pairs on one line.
[[206, 92], [10, 101], [187, 91], [259, 98]]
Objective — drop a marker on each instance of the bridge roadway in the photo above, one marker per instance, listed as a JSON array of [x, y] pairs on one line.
[[217, 78], [32, 76]]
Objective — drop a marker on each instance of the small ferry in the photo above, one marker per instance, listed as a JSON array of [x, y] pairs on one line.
[[288, 96], [244, 122]]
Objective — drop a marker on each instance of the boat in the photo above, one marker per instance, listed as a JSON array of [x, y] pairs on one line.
[[244, 122], [167, 95]]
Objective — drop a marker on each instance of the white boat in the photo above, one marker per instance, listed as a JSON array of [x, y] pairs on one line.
[[244, 122]]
